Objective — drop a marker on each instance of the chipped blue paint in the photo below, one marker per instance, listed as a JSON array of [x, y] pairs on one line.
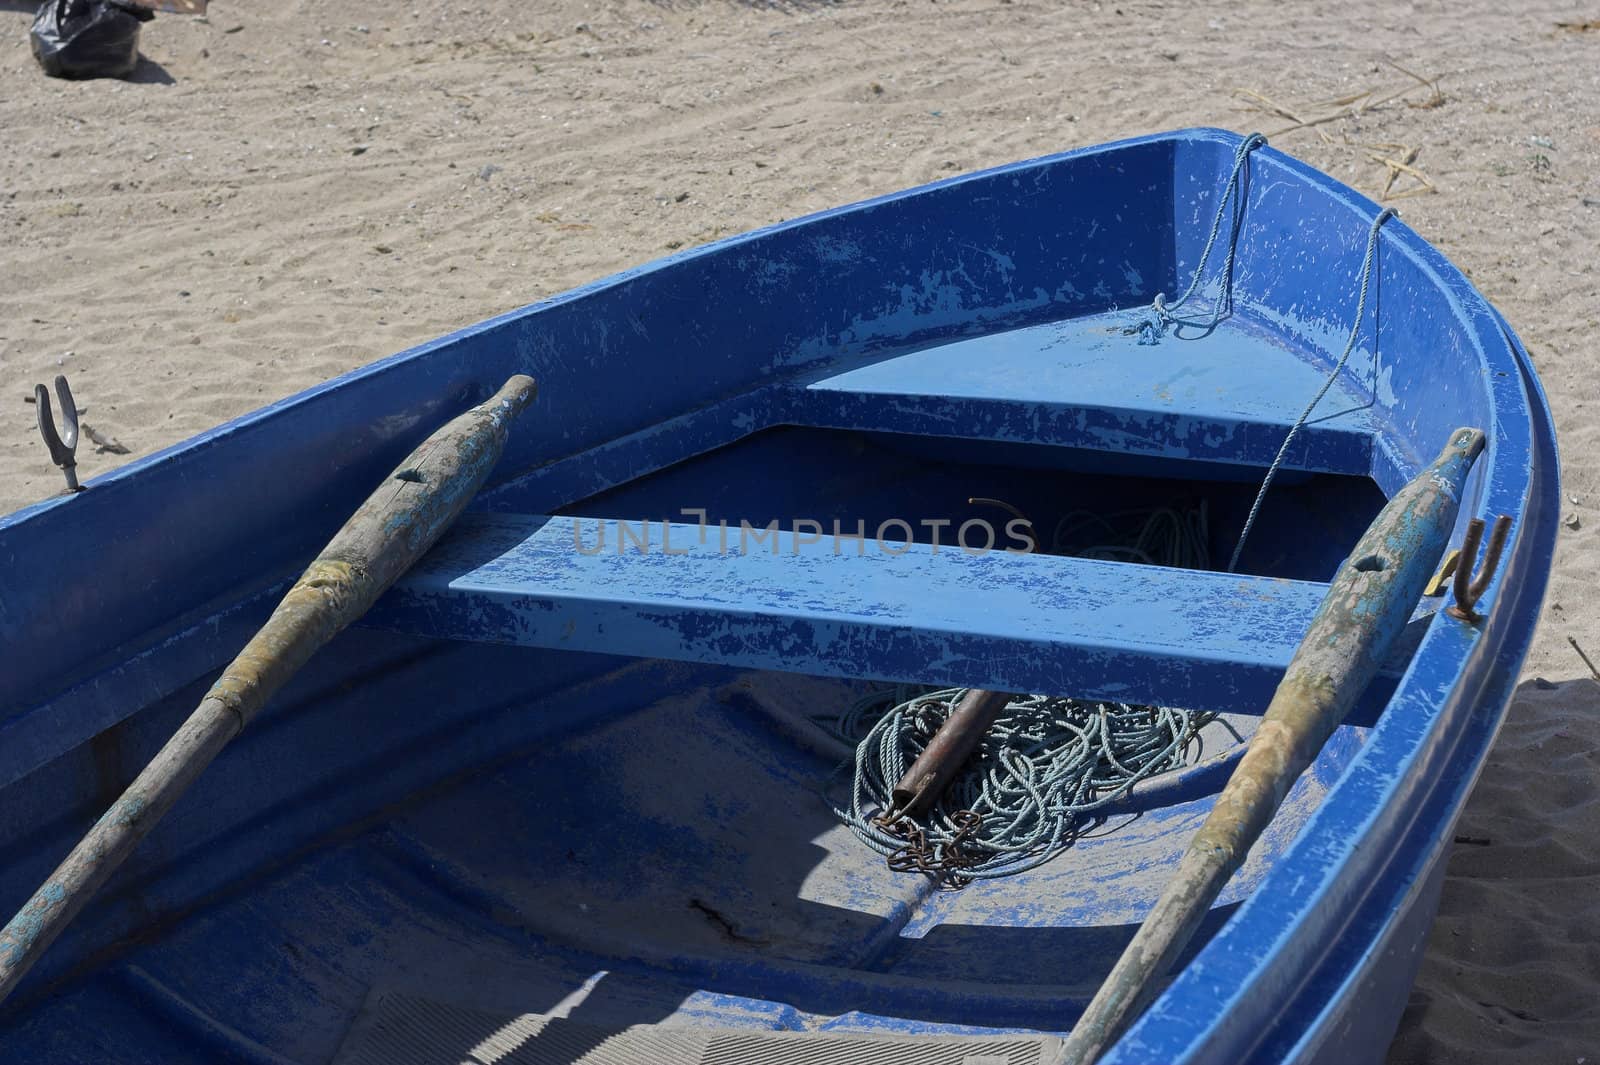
[[958, 315], [1002, 621], [1229, 396], [22, 930], [127, 810]]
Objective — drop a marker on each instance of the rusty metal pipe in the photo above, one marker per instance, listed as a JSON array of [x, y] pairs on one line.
[[397, 524], [949, 749]]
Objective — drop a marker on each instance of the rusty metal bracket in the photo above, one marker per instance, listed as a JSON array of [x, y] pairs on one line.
[[1469, 587], [63, 447]]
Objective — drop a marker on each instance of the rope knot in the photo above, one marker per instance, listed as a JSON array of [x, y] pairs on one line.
[[1154, 324], [1161, 316]]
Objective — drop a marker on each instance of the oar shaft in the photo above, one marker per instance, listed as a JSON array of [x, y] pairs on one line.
[[394, 527], [1367, 605]]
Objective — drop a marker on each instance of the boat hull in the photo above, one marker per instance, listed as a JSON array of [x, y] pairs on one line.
[[531, 812]]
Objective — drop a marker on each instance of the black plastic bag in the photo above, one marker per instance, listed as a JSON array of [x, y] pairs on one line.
[[87, 38]]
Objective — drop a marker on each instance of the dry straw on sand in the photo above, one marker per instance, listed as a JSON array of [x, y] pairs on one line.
[[1398, 159]]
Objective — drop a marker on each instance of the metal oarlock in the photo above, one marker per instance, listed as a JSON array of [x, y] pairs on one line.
[[1469, 588], [63, 447]]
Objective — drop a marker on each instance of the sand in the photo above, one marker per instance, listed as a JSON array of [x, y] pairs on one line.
[[292, 189]]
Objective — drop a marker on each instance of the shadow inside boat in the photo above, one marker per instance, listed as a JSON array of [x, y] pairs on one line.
[[676, 867], [498, 833], [614, 1007]]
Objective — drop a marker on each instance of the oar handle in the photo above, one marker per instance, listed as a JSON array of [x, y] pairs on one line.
[[1367, 605], [948, 751], [394, 527]]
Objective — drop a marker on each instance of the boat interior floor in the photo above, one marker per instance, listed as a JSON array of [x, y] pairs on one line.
[[676, 864]]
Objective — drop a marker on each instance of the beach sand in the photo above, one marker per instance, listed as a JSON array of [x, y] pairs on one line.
[[292, 189]]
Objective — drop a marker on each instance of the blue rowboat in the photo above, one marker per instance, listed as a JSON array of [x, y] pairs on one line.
[[557, 798]]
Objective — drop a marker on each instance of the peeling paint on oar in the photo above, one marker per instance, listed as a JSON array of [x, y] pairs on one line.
[[1366, 607], [394, 527]]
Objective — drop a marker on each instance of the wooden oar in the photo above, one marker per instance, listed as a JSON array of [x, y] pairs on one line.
[[1368, 604], [394, 527]]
